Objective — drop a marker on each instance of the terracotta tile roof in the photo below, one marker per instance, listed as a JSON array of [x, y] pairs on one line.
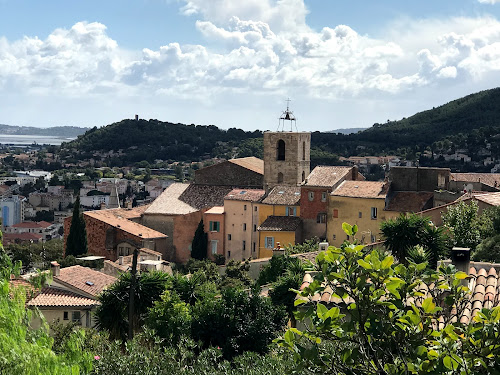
[[109, 217], [27, 287], [32, 224], [84, 279], [250, 195], [169, 202], [410, 201], [55, 297], [492, 199], [217, 210], [283, 195], [149, 251], [203, 196], [252, 163], [362, 189], [10, 237], [491, 179], [131, 213], [327, 176], [281, 224]]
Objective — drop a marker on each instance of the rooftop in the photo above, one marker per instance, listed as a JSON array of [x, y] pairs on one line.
[[217, 210], [32, 224], [362, 189], [84, 279], [492, 179], [327, 176], [55, 297], [252, 163], [283, 195], [492, 199], [280, 224], [169, 203], [111, 217], [410, 201], [10, 237], [250, 195]]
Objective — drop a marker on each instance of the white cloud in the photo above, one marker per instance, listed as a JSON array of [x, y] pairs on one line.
[[251, 50], [489, 1]]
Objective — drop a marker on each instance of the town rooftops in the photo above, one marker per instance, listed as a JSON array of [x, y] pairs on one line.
[[492, 199], [12, 237], [362, 189], [132, 213], [182, 199], [491, 179], [280, 224], [252, 163], [55, 297], [250, 195], [327, 176], [32, 224], [283, 195], [410, 201], [109, 217], [85, 280]]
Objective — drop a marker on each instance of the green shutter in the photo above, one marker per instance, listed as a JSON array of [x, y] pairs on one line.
[[211, 226]]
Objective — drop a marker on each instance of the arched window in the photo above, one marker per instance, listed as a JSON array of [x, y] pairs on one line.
[[303, 176], [280, 177], [303, 152], [280, 150]]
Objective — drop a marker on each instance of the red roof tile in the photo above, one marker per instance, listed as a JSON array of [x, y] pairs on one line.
[[250, 195], [362, 189], [84, 279], [54, 297]]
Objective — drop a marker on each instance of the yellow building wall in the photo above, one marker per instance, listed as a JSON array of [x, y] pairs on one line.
[[284, 238], [349, 210], [266, 210]]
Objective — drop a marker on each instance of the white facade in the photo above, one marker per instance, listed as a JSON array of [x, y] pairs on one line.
[[11, 210], [94, 200]]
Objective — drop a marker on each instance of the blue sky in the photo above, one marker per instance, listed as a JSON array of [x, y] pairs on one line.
[[233, 64]]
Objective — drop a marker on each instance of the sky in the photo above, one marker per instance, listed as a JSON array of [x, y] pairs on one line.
[[233, 63]]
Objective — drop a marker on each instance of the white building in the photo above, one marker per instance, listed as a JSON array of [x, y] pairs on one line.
[[12, 210]]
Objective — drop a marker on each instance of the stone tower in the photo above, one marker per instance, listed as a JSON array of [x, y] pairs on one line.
[[286, 155]]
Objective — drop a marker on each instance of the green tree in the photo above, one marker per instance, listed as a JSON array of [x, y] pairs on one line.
[[389, 318], [462, 220], [200, 242], [488, 250], [76, 243], [405, 232], [112, 313]]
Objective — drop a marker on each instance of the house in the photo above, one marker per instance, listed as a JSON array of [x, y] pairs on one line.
[[148, 260], [242, 172], [47, 230], [315, 191], [111, 235], [72, 296], [279, 231], [214, 223], [241, 207]]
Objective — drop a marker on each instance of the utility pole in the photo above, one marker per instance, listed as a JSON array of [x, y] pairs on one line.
[[131, 306]]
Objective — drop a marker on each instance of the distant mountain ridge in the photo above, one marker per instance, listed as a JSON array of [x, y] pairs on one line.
[[55, 131]]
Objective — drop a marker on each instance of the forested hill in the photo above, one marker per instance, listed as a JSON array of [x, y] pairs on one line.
[[467, 123]]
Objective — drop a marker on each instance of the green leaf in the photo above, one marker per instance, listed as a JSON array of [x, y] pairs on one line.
[[365, 264], [387, 262], [347, 228], [461, 275], [298, 302], [447, 362], [428, 305], [322, 311]]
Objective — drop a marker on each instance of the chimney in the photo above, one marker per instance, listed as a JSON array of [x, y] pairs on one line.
[[103, 206], [136, 117], [278, 250], [354, 171], [323, 246], [460, 258], [55, 268], [120, 260]]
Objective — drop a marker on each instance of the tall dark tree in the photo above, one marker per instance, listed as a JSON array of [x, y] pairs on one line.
[[200, 242], [76, 243]]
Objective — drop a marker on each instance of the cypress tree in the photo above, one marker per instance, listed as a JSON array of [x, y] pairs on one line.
[[76, 243], [200, 242]]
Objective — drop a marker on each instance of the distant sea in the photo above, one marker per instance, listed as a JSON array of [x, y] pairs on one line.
[[29, 139]]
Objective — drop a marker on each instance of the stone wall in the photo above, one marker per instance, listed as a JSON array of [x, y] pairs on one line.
[[229, 174], [419, 179]]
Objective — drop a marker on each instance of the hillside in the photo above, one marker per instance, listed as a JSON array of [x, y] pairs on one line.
[[55, 131], [469, 123]]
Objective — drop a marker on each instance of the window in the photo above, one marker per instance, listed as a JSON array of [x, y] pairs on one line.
[[229, 237], [323, 196], [374, 212], [280, 177], [303, 150], [65, 315], [269, 242], [254, 246], [244, 226], [311, 195], [255, 208], [360, 214], [291, 211], [214, 246], [321, 218], [303, 176], [373, 238], [335, 213], [214, 226], [334, 237], [441, 180], [255, 228], [244, 245], [76, 317], [245, 207], [280, 150], [229, 253]]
